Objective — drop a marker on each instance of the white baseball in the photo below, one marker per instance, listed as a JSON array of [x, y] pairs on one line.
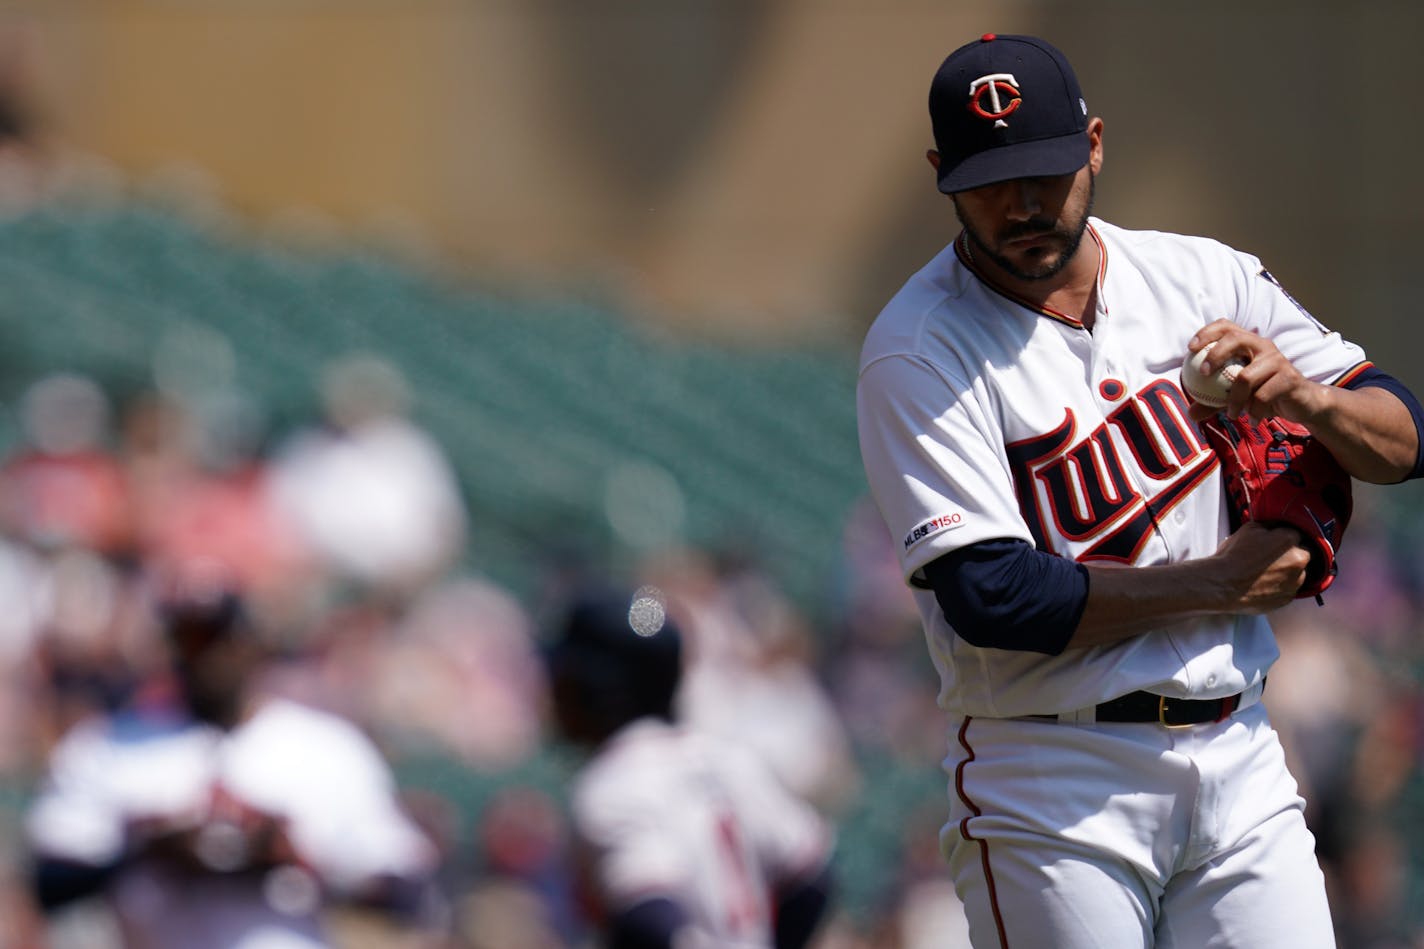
[[1214, 389]]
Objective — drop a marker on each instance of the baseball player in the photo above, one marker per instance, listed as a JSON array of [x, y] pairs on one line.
[[1097, 626], [680, 839], [223, 821]]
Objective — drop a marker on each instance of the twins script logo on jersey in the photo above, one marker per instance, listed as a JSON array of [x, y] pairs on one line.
[[989, 88], [1078, 488]]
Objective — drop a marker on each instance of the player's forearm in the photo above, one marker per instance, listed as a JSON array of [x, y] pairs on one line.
[[1368, 430], [1257, 569], [1124, 602]]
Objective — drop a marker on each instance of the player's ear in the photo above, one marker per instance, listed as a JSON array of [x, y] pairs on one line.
[[933, 157], [1095, 144]]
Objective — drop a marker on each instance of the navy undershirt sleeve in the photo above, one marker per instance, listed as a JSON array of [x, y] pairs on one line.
[[799, 908], [1378, 379], [56, 882], [1005, 594], [651, 924]]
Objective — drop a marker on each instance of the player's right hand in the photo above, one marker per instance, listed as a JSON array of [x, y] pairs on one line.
[[1262, 567], [1268, 385]]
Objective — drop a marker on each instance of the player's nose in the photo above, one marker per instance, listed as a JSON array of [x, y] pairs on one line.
[[1024, 196]]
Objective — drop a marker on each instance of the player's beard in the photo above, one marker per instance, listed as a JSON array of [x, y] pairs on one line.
[[1067, 233]]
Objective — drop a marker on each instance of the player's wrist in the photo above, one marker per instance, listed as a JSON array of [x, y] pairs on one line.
[[1314, 405]]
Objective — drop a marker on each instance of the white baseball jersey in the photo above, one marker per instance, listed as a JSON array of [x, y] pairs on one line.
[[982, 416], [315, 771], [662, 811]]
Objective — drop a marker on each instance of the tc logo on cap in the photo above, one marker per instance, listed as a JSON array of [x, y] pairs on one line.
[[989, 88]]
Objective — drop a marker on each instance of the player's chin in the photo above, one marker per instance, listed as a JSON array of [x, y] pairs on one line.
[[1039, 263]]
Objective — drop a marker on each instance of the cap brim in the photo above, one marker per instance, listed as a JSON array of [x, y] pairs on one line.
[[1061, 155]]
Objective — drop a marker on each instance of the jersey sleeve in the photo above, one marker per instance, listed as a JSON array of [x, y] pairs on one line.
[[934, 460], [1319, 353]]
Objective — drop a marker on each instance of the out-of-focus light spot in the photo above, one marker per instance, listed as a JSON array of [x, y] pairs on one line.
[[644, 505], [647, 613]]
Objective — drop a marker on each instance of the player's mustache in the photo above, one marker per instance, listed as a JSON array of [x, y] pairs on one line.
[[1034, 227]]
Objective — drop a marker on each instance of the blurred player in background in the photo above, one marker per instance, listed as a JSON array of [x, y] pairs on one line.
[[215, 817], [1096, 623], [681, 840], [370, 492]]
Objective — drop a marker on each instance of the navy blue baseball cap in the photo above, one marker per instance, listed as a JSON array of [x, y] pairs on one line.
[[1007, 107], [620, 651]]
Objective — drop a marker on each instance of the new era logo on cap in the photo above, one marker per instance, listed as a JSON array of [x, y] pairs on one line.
[[1006, 107]]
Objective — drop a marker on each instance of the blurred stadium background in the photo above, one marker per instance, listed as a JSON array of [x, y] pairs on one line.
[[620, 255]]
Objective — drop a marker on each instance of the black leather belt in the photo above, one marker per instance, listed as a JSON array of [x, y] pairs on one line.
[[1173, 713]]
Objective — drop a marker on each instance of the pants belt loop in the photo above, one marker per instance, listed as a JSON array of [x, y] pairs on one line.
[[1251, 696], [1247, 698]]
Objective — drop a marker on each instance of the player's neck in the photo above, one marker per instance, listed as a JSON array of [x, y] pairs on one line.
[[1072, 291]]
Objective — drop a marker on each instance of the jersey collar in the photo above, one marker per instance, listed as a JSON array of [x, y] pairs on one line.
[[966, 257]]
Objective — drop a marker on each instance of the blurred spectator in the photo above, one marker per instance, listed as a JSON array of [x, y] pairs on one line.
[[499, 913], [371, 493], [201, 490], [872, 596], [524, 894], [212, 816], [680, 839], [22, 588], [66, 642], [1369, 889], [1324, 689], [751, 675], [23, 578], [94, 649], [875, 668], [63, 487], [465, 645]]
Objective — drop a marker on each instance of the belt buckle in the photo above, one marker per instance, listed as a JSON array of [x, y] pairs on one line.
[[1162, 715]]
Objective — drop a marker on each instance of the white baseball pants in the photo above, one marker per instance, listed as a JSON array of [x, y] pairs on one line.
[[1114, 836]]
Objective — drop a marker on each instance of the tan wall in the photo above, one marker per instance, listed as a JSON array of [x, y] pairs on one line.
[[744, 165]]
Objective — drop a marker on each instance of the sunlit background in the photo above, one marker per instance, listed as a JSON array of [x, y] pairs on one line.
[[605, 267]]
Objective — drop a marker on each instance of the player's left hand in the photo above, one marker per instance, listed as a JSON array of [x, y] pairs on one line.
[[1268, 385]]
